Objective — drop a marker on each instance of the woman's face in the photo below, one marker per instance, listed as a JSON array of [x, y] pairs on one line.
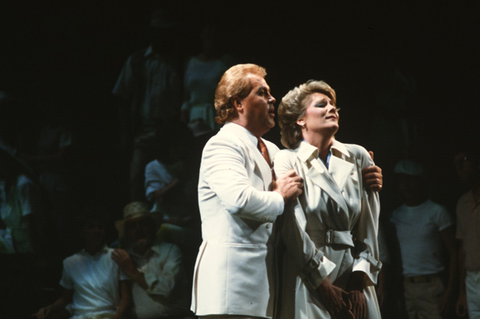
[[321, 115]]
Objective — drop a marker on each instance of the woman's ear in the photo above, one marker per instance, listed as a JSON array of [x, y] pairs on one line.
[[237, 103], [301, 123]]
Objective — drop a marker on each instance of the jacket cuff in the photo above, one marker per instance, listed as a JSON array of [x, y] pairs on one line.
[[369, 266], [316, 270]]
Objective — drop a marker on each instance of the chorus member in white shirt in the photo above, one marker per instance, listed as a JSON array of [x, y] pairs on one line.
[[94, 286]]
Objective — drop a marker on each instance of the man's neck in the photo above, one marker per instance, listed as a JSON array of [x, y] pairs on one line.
[[256, 132], [93, 250]]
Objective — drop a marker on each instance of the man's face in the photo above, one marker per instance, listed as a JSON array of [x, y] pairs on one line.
[[139, 231], [93, 233], [257, 111], [464, 167], [412, 188]]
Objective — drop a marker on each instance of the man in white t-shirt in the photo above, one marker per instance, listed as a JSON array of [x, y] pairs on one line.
[[425, 232], [93, 285]]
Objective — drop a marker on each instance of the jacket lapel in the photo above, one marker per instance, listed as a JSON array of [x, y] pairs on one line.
[[254, 153], [340, 170], [319, 175]]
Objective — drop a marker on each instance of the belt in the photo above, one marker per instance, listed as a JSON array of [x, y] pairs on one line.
[[421, 278], [330, 236]]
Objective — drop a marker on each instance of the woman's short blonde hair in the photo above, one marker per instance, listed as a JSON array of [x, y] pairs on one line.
[[292, 108], [234, 83]]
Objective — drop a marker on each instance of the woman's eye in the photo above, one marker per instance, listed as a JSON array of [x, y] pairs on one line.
[[320, 105]]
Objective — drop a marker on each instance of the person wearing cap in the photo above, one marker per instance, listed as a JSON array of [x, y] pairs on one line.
[[148, 91], [467, 164], [159, 286], [425, 233]]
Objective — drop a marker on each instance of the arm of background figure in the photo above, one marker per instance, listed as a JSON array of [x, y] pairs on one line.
[[462, 306], [125, 263], [125, 298], [60, 303], [160, 276], [448, 237], [185, 109]]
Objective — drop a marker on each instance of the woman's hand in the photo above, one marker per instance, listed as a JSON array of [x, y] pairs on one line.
[[358, 304], [333, 298]]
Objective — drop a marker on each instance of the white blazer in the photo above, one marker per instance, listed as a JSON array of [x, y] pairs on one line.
[[331, 231], [234, 268]]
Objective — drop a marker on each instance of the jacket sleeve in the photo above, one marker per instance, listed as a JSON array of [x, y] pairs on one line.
[[312, 265], [224, 165], [367, 257]]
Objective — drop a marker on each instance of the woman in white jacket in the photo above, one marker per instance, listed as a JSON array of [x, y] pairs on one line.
[[331, 260]]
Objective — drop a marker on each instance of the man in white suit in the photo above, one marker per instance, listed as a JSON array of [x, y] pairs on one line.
[[239, 201]]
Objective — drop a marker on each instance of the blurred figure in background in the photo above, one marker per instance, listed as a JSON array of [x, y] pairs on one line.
[[425, 233], [170, 178], [159, 286], [149, 91], [20, 201], [202, 74], [467, 163], [94, 286]]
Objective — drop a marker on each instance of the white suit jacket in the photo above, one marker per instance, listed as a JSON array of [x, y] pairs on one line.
[[332, 229], [234, 267]]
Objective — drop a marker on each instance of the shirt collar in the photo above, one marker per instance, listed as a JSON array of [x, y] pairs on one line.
[[155, 248], [340, 147], [306, 150], [103, 250]]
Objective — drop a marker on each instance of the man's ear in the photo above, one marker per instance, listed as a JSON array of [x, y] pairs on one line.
[[237, 103]]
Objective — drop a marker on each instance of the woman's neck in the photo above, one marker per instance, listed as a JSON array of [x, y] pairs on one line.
[[323, 143]]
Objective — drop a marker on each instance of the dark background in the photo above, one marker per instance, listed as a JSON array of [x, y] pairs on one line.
[[72, 54], [413, 60]]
